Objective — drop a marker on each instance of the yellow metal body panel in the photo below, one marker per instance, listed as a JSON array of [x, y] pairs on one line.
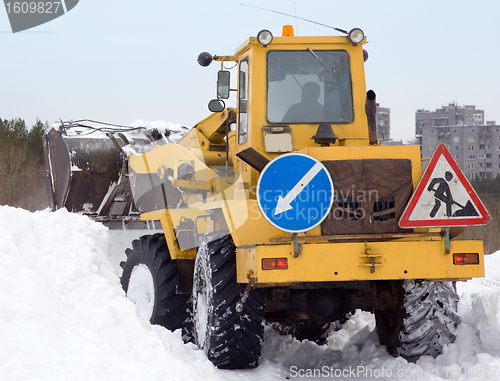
[[248, 225], [199, 146], [166, 156], [328, 262], [212, 128], [170, 218]]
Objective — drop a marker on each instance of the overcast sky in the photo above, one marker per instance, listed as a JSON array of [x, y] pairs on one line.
[[122, 60]]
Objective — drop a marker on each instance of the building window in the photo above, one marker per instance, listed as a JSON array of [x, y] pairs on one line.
[[456, 148], [471, 148], [471, 166], [488, 165], [471, 139], [481, 156], [481, 165], [456, 157], [498, 148], [481, 146], [456, 139], [472, 157], [430, 139], [498, 166], [488, 155], [488, 146]]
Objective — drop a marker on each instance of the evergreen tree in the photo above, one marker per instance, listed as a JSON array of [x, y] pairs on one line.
[[21, 163]]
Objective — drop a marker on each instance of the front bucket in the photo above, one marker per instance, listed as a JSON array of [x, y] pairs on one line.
[[80, 171], [57, 169], [87, 169]]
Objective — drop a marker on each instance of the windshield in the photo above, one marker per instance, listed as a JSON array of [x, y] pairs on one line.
[[309, 87]]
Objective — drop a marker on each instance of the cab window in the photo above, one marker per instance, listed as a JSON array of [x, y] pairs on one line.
[[243, 102], [309, 87]]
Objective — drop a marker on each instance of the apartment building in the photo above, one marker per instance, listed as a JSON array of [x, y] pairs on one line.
[[451, 115], [383, 119], [475, 147]]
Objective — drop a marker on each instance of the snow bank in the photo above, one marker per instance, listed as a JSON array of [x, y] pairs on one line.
[[64, 316]]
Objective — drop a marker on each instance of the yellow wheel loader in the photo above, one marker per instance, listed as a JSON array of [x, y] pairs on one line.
[[284, 209]]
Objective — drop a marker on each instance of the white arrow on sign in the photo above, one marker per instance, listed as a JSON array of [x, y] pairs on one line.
[[284, 203]]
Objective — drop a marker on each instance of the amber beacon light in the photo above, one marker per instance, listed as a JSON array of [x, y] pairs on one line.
[[287, 31]]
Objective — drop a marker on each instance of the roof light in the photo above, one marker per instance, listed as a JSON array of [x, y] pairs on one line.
[[287, 31], [355, 35], [264, 37], [466, 259], [274, 263]]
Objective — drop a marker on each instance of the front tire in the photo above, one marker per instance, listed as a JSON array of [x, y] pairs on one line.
[[419, 319], [230, 338], [150, 280]]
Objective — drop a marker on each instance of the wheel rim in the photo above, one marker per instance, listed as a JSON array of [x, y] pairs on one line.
[[141, 290]]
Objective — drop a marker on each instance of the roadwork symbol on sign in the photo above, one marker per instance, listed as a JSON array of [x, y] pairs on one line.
[[443, 197], [295, 192]]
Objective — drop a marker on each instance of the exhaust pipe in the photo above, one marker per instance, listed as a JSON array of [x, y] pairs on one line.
[[371, 111]]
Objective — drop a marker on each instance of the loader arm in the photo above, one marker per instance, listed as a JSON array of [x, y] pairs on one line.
[[213, 129]]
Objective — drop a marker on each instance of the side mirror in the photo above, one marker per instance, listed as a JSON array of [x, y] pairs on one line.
[[216, 105], [223, 80]]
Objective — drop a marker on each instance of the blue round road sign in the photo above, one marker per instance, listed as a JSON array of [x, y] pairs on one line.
[[295, 192]]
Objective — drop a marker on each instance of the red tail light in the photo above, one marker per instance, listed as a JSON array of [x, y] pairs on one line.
[[466, 259], [274, 263]]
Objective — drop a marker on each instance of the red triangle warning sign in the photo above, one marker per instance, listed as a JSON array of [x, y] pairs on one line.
[[443, 197]]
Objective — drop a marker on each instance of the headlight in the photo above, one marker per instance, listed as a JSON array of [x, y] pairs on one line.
[[264, 37], [355, 35]]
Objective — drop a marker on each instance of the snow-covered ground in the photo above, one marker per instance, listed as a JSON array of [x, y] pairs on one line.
[[64, 316]]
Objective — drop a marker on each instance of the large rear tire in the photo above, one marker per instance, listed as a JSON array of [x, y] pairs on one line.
[[420, 318], [150, 280], [231, 338]]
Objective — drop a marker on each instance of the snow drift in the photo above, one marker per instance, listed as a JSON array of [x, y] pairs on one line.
[[64, 316]]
